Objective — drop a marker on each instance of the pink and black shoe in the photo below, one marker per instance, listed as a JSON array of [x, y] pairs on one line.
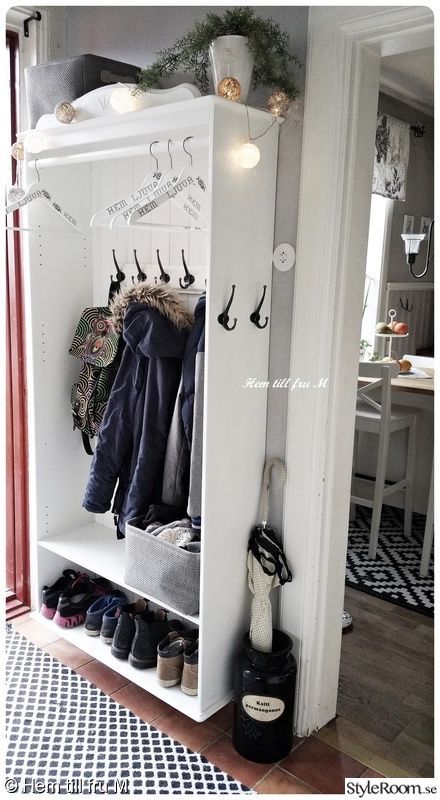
[[51, 594], [74, 602]]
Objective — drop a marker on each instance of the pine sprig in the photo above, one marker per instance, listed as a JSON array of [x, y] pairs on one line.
[[268, 44]]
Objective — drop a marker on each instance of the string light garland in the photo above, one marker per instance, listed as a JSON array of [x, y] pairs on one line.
[[248, 155], [15, 193], [34, 142], [230, 89], [64, 112], [278, 103]]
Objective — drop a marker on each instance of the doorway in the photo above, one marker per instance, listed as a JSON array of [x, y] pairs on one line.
[[345, 50], [380, 706]]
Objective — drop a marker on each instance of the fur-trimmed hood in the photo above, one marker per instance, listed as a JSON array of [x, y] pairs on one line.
[[162, 298], [152, 319]]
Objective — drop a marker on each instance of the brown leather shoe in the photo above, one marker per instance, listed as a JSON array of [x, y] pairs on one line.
[[170, 659], [190, 671]]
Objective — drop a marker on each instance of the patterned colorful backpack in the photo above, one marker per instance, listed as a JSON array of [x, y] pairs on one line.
[[97, 345]]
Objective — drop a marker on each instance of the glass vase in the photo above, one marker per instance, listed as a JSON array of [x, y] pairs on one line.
[[231, 58]]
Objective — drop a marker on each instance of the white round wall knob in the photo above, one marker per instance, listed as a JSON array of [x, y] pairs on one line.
[[284, 257]]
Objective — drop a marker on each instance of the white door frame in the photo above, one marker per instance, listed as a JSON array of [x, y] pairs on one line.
[[343, 64]]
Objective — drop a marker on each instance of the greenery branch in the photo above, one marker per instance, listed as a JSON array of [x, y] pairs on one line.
[[268, 44]]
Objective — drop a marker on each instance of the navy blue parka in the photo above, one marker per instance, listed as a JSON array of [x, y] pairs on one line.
[[132, 439]]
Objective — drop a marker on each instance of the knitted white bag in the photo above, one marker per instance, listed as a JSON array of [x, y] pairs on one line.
[[267, 567]]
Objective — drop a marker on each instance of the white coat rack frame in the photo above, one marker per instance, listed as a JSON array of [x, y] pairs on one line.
[[87, 165]]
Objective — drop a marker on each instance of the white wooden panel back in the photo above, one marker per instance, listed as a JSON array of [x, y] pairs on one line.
[[113, 180]]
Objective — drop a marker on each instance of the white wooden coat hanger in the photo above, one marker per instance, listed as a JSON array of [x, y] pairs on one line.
[[193, 200], [141, 195], [121, 207], [38, 191], [183, 187], [160, 195]]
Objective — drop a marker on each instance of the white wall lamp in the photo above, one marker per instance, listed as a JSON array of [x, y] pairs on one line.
[[412, 248]]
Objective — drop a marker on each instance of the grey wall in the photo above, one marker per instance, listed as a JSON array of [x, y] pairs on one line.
[[134, 34], [419, 189]]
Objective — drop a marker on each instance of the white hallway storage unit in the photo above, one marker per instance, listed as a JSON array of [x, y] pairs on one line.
[[87, 166]]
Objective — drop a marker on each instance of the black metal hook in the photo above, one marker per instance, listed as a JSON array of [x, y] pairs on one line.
[[188, 279], [164, 277], [255, 316], [113, 289], [141, 275], [119, 274], [223, 318], [35, 16], [406, 306]]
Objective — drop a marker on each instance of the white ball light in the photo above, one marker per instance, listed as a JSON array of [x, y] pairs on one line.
[[248, 155], [122, 100], [34, 142]]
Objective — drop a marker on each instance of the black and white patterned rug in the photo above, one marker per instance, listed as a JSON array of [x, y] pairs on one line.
[[64, 736], [394, 575]]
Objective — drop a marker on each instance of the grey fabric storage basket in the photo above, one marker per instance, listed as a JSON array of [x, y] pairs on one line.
[[161, 570], [69, 78]]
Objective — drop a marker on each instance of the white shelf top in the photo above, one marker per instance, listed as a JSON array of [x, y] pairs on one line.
[[145, 678], [96, 548], [137, 127]]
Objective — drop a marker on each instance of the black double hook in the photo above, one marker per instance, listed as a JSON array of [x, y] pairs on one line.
[[406, 306], [255, 316], [164, 277], [223, 318], [141, 276], [189, 279], [120, 276]]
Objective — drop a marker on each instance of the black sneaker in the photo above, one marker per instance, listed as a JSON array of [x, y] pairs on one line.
[[51, 594], [74, 602], [125, 627], [151, 628]]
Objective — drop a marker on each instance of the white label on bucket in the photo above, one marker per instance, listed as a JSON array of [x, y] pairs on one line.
[[262, 708]]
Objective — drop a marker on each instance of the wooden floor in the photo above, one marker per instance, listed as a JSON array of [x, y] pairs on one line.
[[385, 704]]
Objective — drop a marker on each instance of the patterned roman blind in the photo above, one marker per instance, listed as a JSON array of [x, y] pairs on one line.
[[391, 157]]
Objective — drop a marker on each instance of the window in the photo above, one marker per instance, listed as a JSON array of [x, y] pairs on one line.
[[375, 272]]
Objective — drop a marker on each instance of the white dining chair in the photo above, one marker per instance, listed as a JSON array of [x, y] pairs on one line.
[[376, 414]]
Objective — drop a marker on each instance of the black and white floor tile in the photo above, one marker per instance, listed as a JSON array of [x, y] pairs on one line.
[[66, 734], [394, 575]]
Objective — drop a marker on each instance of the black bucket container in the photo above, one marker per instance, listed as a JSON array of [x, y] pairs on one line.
[[264, 700]]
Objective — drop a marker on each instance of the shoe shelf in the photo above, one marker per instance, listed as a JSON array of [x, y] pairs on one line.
[[145, 678], [96, 548]]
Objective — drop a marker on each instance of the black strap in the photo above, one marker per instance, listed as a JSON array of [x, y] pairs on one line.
[[86, 443], [114, 288], [265, 548]]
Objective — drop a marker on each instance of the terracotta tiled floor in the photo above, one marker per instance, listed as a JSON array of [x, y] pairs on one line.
[[312, 767]]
